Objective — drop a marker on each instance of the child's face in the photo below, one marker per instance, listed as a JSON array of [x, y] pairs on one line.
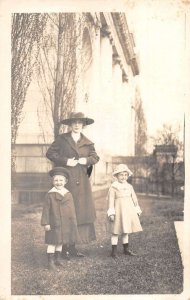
[[122, 177], [59, 181]]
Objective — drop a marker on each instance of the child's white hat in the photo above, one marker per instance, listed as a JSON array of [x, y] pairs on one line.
[[122, 168]]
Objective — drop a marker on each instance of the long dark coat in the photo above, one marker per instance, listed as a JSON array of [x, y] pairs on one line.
[[59, 213], [63, 148]]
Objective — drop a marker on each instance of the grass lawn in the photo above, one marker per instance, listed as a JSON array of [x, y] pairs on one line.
[[157, 269]]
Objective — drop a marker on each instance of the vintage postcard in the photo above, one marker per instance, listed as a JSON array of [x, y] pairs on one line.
[[94, 149]]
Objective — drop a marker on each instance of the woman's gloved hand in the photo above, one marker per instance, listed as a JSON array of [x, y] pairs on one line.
[[111, 218], [82, 161], [47, 227], [72, 162]]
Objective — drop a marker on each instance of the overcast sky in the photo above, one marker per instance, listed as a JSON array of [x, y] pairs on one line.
[[160, 33]]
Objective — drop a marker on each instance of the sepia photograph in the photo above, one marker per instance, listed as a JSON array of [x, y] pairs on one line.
[[95, 149]]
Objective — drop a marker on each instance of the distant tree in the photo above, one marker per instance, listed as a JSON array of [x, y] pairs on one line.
[[169, 165], [140, 126], [169, 135]]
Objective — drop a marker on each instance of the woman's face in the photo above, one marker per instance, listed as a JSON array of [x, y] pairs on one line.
[[59, 181], [77, 126], [122, 177]]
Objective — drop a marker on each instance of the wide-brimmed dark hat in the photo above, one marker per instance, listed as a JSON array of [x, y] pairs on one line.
[[77, 116], [59, 171]]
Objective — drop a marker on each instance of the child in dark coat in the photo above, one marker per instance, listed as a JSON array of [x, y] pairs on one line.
[[58, 217]]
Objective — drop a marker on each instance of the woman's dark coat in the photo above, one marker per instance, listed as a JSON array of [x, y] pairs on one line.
[[59, 213], [63, 148]]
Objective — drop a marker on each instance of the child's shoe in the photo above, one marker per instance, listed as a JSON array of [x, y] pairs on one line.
[[66, 255], [51, 262], [58, 260], [74, 252], [65, 252], [114, 251], [127, 251]]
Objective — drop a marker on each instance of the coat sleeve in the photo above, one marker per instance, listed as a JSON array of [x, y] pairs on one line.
[[134, 196], [53, 153], [111, 202], [45, 219], [93, 158]]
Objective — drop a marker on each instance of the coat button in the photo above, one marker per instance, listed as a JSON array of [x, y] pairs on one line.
[[77, 182]]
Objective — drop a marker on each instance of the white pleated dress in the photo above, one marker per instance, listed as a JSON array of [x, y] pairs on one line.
[[121, 203]]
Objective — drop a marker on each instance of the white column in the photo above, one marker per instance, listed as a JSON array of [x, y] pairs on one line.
[[117, 81], [106, 69], [132, 117], [132, 135], [95, 86], [127, 118], [118, 111], [105, 108]]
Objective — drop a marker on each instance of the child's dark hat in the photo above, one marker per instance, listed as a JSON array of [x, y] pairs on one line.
[[77, 116], [59, 171]]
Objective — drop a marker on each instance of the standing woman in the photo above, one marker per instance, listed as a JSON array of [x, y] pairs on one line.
[[74, 151]]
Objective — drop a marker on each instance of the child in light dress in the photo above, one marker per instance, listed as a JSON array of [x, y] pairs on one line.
[[123, 210], [58, 218]]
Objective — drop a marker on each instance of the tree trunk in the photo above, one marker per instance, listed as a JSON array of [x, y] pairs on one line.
[[59, 76]]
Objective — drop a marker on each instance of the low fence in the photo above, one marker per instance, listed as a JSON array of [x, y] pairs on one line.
[[30, 187], [146, 186], [31, 181], [147, 177]]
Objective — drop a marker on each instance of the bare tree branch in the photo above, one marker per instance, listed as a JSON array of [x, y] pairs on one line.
[[26, 34], [60, 43]]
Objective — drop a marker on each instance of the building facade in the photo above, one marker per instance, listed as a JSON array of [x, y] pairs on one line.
[[107, 67]]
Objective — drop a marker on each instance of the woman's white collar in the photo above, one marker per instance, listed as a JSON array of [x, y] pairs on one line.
[[75, 136]]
